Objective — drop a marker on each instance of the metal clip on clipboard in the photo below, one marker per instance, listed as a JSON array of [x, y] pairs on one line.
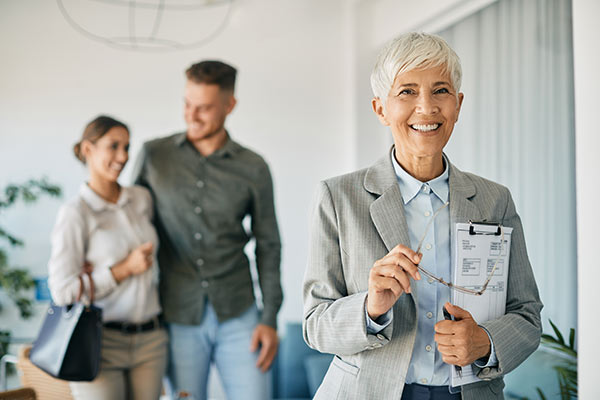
[[472, 228]]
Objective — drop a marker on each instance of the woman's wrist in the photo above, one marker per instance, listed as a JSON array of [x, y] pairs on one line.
[[120, 271]]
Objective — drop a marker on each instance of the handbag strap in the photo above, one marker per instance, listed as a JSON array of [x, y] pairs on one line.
[[87, 267], [86, 271]]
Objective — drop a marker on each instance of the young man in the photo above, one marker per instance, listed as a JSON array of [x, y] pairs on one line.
[[204, 184]]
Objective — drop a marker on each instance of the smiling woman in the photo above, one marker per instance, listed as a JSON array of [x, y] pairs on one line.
[[105, 155], [107, 230], [364, 297], [421, 109]]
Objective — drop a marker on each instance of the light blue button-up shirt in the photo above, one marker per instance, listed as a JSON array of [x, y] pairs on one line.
[[421, 200]]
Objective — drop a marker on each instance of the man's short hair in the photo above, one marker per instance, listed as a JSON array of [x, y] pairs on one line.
[[411, 51], [212, 72]]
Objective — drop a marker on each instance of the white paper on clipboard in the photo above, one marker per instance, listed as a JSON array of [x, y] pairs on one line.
[[474, 257]]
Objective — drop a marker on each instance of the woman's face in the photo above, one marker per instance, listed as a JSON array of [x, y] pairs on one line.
[[421, 110], [107, 157]]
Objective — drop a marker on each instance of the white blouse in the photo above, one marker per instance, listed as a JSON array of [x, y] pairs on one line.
[[88, 228]]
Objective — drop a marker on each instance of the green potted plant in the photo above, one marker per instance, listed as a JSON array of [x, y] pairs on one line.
[[15, 281], [566, 368]]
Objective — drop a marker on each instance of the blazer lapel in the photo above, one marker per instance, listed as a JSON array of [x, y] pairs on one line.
[[462, 190], [387, 211]]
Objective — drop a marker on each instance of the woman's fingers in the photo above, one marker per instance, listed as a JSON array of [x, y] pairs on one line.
[[390, 277], [394, 272], [408, 252], [402, 261], [381, 283]]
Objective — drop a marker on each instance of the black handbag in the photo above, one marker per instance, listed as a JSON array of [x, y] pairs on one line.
[[68, 345]]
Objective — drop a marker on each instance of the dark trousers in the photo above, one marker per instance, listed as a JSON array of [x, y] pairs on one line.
[[421, 392]]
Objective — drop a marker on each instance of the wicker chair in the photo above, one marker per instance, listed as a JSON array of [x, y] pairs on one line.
[[18, 394], [45, 386]]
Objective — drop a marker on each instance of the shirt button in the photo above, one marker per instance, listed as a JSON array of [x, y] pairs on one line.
[[376, 345], [430, 280], [204, 284], [426, 189], [197, 210], [428, 347], [197, 236], [380, 336], [200, 184], [199, 262], [428, 246], [424, 380], [429, 314], [427, 213]]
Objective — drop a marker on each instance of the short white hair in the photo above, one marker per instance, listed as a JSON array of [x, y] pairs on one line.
[[413, 50]]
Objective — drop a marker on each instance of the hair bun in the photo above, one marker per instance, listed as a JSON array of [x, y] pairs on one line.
[[77, 151]]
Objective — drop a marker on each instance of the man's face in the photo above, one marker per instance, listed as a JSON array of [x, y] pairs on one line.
[[421, 110], [205, 111]]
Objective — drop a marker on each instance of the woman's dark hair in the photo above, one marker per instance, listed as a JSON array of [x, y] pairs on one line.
[[94, 130]]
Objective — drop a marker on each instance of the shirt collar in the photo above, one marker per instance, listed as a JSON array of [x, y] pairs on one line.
[[179, 139], [229, 148], [410, 186], [97, 203]]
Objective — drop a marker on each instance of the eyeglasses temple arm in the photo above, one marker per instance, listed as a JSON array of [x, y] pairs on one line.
[[428, 225]]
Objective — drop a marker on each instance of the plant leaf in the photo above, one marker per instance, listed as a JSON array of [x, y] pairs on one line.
[[559, 335], [547, 339], [540, 393], [572, 339], [563, 349], [11, 239], [25, 307]]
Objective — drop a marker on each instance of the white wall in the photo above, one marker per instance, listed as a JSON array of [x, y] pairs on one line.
[[291, 57], [586, 32]]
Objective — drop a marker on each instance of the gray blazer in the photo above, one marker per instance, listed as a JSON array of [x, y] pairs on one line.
[[357, 219]]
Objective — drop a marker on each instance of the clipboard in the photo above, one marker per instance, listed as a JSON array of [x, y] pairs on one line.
[[477, 247]]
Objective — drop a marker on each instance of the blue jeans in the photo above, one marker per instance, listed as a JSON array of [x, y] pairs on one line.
[[194, 347]]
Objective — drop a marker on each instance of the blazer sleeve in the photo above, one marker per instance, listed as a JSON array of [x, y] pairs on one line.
[[334, 321], [517, 333]]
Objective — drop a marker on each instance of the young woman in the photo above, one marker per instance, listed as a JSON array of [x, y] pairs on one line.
[[107, 228]]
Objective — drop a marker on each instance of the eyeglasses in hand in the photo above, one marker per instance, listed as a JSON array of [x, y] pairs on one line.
[[452, 286]]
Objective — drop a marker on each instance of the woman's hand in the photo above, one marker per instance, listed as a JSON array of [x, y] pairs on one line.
[[137, 262], [389, 278], [462, 341]]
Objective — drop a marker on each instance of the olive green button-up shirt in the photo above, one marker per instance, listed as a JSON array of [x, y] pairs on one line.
[[200, 203]]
